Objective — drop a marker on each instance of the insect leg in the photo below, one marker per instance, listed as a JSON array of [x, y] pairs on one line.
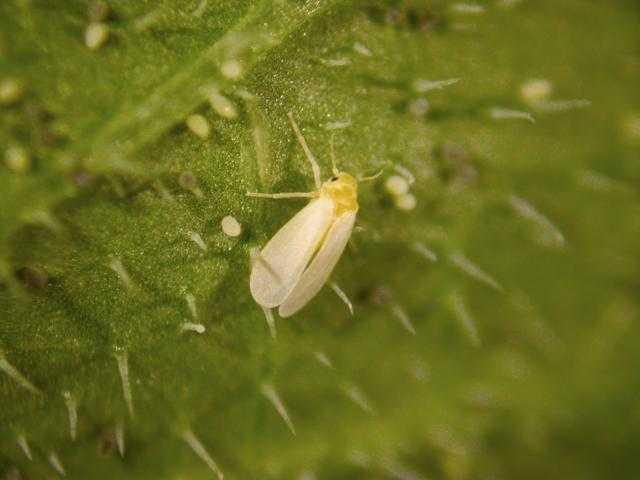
[[334, 167], [282, 195], [312, 160], [370, 177]]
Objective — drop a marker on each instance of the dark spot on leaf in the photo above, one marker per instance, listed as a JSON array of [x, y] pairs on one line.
[[107, 444], [187, 180], [82, 178], [408, 14], [12, 474], [98, 11], [34, 277], [379, 295]]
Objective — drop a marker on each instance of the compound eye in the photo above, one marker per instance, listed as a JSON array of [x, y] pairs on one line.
[[334, 179]]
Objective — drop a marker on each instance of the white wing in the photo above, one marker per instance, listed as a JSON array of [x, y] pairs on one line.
[[281, 262], [316, 275]]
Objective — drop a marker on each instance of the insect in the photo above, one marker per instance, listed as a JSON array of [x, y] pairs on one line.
[[295, 264]]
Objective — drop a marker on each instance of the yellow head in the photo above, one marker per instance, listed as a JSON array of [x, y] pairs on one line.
[[343, 190]]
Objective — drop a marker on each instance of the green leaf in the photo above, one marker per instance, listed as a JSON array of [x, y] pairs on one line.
[[494, 332]]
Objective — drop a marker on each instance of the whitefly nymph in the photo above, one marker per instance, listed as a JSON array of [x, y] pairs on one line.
[[294, 265]]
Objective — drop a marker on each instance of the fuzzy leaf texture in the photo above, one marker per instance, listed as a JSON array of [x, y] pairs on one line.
[[496, 321]]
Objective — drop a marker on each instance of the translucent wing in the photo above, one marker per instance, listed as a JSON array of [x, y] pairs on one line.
[[283, 259], [316, 275]]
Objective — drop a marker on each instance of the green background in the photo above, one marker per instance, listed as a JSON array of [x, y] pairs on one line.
[[547, 389]]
